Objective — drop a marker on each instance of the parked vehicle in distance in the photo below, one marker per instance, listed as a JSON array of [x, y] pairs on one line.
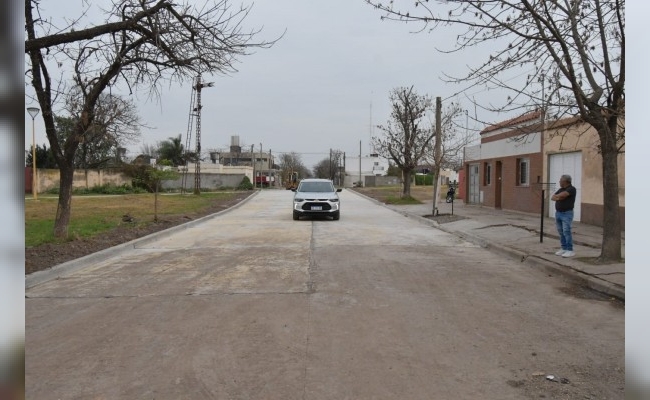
[[316, 197], [292, 182], [451, 194]]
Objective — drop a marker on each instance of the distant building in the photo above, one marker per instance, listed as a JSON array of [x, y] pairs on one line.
[[263, 163], [372, 165]]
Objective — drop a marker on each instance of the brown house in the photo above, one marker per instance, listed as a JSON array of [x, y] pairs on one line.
[[571, 147]]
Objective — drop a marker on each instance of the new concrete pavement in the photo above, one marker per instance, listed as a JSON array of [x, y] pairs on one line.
[[517, 235], [253, 305]]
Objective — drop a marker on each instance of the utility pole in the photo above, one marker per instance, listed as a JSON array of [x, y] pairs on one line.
[[343, 172], [271, 169], [360, 183], [33, 112], [253, 163], [197, 170], [436, 154], [261, 166], [330, 174]]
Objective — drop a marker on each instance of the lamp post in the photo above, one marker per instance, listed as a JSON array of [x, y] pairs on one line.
[[33, 111]]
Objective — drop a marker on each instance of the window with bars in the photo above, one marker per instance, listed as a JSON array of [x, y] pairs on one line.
[[487, 170], [523, 171]]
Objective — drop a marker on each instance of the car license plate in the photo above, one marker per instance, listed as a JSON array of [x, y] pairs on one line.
[[317, 208]]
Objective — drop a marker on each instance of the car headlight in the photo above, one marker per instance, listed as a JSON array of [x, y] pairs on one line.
[[334, 200], [298, 200]]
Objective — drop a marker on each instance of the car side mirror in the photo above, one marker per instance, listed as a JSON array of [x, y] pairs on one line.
[[339, 190], [293, 190]]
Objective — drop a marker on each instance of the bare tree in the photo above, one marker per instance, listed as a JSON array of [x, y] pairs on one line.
[[116, 123], [143, 44], [290, 163], [335, 166], [575, 52], [407, 134], [322, 169]]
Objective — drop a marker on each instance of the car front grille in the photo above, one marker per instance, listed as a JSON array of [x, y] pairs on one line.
[[307, 206]]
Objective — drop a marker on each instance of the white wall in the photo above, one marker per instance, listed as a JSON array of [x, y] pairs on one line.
[[508, 147], [368, 166], [209, 168]]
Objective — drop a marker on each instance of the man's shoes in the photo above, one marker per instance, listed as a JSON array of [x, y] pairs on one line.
[[569, 253], [560, 252]]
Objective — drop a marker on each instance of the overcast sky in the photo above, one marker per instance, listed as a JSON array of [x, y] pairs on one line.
[[313, 89]]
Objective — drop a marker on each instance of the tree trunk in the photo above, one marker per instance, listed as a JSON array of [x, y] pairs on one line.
[[611, 245], [65, 199], [155, 203], [406, 184], [436, 188]]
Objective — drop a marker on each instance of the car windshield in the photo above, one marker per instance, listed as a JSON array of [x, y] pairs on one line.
[[316, 187]]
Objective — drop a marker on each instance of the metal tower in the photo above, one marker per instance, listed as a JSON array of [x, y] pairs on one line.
[[188, 139], [196, 111]]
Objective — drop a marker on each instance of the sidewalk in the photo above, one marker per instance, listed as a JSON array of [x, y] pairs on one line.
[[517, 235]]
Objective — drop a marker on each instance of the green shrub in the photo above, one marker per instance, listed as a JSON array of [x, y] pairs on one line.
[[108, 189], [245, 184], [426, 180]]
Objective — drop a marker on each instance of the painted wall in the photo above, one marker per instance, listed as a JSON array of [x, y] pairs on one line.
[[49, 178], [210, 168], [368, 170], [372, 181], [582, 137], [208, 181], [494, 147]]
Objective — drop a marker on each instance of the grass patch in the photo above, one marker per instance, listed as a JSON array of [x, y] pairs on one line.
[[402, 200], [389, 193], [94, 215]]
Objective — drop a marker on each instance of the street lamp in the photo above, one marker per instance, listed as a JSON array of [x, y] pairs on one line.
[[33, 111]]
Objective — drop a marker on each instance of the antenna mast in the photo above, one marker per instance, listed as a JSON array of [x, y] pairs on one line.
[[370, 131]]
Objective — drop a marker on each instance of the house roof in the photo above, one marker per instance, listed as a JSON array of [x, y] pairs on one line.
[[529, 116], [561, 123]]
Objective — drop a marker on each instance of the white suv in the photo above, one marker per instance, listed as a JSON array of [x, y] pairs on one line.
[[316, 197]]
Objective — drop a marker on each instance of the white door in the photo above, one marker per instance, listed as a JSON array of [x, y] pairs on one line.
[[473, 195], [565, 163]]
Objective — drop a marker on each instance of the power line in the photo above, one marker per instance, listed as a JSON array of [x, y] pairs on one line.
[[486, 89]]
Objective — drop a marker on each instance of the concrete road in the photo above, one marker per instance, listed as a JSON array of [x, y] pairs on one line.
[[254, 305]]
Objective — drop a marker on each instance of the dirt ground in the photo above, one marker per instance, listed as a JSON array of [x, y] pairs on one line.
[[50, 254], [421, 193]]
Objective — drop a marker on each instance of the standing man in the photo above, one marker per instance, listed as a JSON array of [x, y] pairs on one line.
[[564, 199]]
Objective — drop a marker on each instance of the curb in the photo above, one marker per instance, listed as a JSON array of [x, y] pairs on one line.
[[530, 260], [68, 267], [590, 281]]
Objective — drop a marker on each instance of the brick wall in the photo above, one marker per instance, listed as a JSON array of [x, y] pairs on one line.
[[513, 196]]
